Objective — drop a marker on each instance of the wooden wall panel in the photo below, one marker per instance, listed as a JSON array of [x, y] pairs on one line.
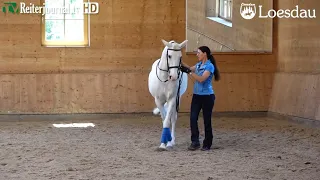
[[296, 89], [318, 113], [296, 95], [299, 41], [243, 92], [120, 93]]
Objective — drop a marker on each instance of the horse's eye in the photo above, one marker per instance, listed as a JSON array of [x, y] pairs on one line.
[[169, 56]]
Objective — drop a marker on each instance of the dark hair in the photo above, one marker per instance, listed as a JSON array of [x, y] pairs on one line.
[[216, 73]]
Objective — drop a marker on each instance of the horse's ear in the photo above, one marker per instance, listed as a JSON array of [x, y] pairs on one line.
[[183, 44], [164, 42]]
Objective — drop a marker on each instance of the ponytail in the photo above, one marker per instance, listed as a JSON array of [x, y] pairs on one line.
[[216, 70]]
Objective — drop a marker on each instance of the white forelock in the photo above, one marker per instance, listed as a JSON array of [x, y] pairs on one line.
[[174, 45]]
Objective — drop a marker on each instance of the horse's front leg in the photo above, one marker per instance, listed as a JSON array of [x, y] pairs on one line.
[[160, 106], [166, 134], [173, 127]]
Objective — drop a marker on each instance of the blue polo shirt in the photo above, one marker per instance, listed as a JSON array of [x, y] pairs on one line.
[[204, 88]]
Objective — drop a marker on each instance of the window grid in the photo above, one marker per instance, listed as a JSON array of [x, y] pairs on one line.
[[225, 9]]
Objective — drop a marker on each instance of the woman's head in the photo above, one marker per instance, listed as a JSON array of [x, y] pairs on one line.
[[204, 53]]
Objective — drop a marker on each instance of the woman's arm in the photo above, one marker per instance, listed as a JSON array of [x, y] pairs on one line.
[[202, 78], [208, 70]]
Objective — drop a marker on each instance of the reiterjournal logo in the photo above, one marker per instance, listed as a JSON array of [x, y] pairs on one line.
[[23, 8], [248, 11]]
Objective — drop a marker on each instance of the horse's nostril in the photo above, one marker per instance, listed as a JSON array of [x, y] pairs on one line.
[[170, 77]]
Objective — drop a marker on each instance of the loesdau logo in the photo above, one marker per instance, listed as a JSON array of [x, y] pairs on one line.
[[82, 8], [248, 11]]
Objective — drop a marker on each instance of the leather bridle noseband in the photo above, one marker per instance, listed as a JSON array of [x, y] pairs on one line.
[[169, 67]]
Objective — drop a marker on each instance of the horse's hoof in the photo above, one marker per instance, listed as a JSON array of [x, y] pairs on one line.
[[171, 143], [160, 149], [169, 148]]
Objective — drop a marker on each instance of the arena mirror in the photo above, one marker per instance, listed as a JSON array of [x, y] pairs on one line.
[[229, 25]]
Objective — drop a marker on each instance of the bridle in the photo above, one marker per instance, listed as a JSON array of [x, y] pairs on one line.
[[169, 67]]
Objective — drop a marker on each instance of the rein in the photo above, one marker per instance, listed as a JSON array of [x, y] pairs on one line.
[[168, 69]]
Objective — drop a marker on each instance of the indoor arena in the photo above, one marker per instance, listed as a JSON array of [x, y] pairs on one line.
[[160, 89]]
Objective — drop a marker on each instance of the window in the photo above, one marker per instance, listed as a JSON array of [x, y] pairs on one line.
[[220, 11], [225, 9], [69, 28]]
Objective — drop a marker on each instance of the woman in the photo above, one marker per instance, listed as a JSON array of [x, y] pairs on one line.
[[203, 96]]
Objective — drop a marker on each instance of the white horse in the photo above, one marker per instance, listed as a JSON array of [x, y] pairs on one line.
[[165, 79]]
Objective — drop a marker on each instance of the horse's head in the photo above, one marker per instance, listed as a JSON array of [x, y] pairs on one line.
[[172, 55]]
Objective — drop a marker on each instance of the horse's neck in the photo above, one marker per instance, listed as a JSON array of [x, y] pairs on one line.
[[163, 63]]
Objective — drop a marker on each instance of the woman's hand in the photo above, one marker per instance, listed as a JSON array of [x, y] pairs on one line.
[[193, 68], [185, 69]]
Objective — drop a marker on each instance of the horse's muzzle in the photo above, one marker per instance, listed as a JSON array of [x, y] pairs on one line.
[[172, 78]]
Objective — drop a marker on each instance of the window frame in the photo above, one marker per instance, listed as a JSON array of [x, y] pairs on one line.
[[229, 10], [65, 43]]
